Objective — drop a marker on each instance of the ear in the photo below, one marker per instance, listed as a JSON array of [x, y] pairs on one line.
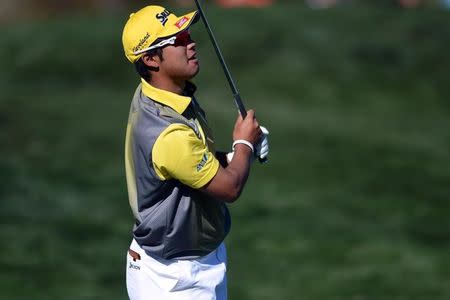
[[151, 61]]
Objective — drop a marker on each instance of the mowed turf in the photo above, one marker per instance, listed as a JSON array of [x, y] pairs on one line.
[[353, 204]]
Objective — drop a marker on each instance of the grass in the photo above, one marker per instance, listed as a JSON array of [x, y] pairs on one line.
[[353, 204]]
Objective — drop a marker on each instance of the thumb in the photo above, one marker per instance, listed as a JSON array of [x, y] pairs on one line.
[[250, 114]]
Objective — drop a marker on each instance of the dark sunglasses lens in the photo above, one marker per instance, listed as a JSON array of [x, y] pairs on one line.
[[183, 39]]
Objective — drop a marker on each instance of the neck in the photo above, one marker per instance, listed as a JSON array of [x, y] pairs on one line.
[[173, 86]]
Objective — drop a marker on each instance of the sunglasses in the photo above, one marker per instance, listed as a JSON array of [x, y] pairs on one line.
[[181, 39]]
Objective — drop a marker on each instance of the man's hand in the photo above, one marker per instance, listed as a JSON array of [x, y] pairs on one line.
[[262, 148], [247, 129]]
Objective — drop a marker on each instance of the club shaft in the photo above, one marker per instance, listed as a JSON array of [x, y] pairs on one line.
[[236, 95]]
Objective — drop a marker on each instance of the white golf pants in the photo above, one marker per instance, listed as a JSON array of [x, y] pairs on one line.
[[150, 278]]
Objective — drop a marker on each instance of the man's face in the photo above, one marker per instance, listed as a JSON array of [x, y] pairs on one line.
[[179, 60]]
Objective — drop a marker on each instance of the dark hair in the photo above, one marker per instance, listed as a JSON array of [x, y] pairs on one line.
[[144, 70]]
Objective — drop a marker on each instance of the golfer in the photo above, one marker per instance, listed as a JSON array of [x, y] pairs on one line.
[[178, 185]]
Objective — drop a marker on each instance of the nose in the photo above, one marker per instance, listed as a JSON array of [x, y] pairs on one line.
[[192, 45]]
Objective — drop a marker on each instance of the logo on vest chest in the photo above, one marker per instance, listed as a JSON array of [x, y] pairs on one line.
[[202, 162]]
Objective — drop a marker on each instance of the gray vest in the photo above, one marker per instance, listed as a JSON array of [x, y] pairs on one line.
[[172, 220]]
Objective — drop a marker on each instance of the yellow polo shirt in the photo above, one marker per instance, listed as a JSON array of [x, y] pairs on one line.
[[178, 153]]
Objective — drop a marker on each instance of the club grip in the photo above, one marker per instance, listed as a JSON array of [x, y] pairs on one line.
[[240, 105]]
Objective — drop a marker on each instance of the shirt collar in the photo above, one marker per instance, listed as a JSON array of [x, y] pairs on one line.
[[178, 102]]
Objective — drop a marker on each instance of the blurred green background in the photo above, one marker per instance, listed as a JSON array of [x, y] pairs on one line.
[[354, 203]]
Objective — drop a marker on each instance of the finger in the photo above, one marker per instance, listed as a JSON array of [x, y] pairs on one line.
[[259, 151], [263, 154], [251, 114], [262, 142], [264, 130], [265, 150]]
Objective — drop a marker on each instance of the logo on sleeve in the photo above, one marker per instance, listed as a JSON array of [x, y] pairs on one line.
[[202, 162], [163, 16]]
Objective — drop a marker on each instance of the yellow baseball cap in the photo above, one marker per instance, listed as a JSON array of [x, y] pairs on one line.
[[150, 24]]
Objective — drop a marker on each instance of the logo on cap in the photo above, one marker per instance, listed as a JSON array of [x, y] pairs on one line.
[[141, 42], [181, 22], [162, 16]]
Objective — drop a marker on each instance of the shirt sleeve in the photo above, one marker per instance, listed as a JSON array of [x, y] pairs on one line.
[[178, 153]]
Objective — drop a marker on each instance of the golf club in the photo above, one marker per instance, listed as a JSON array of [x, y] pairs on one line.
[[233, 87]]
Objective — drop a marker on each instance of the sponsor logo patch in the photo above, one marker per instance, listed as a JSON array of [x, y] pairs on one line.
[[181, 22], [203, 162], [163, 16]]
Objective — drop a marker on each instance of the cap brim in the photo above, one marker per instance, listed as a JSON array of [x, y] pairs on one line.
[[182, 23]]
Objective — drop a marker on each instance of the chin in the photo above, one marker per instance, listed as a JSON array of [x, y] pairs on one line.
[[194, 73]]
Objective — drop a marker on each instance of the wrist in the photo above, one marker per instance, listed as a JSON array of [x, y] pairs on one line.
[[244, 144], [243, 150]]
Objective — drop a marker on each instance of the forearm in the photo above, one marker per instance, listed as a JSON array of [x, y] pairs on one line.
[[228, 183], [230, 179], [239, 169]]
